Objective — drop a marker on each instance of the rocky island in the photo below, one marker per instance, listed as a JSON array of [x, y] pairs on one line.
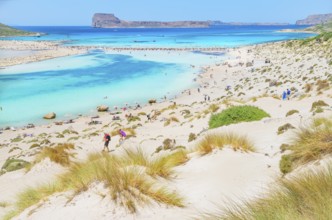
[[101, 20]]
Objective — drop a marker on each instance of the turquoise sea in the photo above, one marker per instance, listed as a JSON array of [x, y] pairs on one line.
[[77, 84]]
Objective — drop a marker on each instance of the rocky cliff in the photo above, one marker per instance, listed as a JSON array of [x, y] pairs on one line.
[[315, 19], [101, 20]]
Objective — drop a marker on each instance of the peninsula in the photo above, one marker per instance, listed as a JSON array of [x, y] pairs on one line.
[[6, 31], [101, 20]]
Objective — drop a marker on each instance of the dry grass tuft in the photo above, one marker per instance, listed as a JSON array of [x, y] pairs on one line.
[[310, 143], [59, 154], [218, 141], [305, 197], [129, 179], [163, 165], [171, 119]]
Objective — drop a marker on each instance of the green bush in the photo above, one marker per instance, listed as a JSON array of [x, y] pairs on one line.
[[14, 164], [237, 114], [282, 129], [285, 164], [319, 103], [192, 137], [292, 112]]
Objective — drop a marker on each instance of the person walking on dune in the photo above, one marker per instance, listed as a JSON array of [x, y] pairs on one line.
[[107, 139], [123, 135]]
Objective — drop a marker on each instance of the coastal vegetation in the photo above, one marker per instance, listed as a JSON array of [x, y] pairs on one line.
[[282, 129], [237, 114], [59, 154], [130, 179], [220, 140], [6, 31], [12, 164], [291, 112], [305, 197], [309, 144], [321, 28]]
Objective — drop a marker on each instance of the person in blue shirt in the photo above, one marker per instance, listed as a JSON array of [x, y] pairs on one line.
[[284, 95]]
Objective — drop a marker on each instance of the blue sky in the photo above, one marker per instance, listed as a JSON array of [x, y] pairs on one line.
[[79, 12]]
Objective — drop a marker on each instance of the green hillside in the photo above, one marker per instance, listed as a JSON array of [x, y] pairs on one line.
[[321, 28], [6, 31]]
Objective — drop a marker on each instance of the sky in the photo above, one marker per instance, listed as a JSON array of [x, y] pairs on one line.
[[80, 12]]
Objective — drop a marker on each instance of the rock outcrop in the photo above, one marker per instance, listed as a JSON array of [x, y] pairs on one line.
[[50, 115], [102, 108], [315, 19], [101, 20]]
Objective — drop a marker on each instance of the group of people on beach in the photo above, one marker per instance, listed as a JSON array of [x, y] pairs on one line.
[[107, 139]]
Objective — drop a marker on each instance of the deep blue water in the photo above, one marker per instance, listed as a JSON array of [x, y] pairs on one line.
[[220, 36]]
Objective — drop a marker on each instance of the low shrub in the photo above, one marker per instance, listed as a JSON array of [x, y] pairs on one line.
[[171, 119], [192, 137], [17, 139], [285, 164], [237, 114], [322, 84], [282, 129], [14, 164], [319, 103], [291, 112], [34, 145]]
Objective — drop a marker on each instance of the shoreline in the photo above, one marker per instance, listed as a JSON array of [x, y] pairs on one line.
[[200, 70], [251, 75], [204, 72]]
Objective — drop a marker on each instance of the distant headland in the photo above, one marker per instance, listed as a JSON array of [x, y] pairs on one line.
[[101, 20], [315, 19], [6, 31], [104, 20]]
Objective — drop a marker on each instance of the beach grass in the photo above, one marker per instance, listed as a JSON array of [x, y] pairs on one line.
[[307, 196], [310, 143], [161, 166], [237, 114], [130, 179], [31, 196], [4, 204], [220, 140], [171, 119], [59, 154]]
